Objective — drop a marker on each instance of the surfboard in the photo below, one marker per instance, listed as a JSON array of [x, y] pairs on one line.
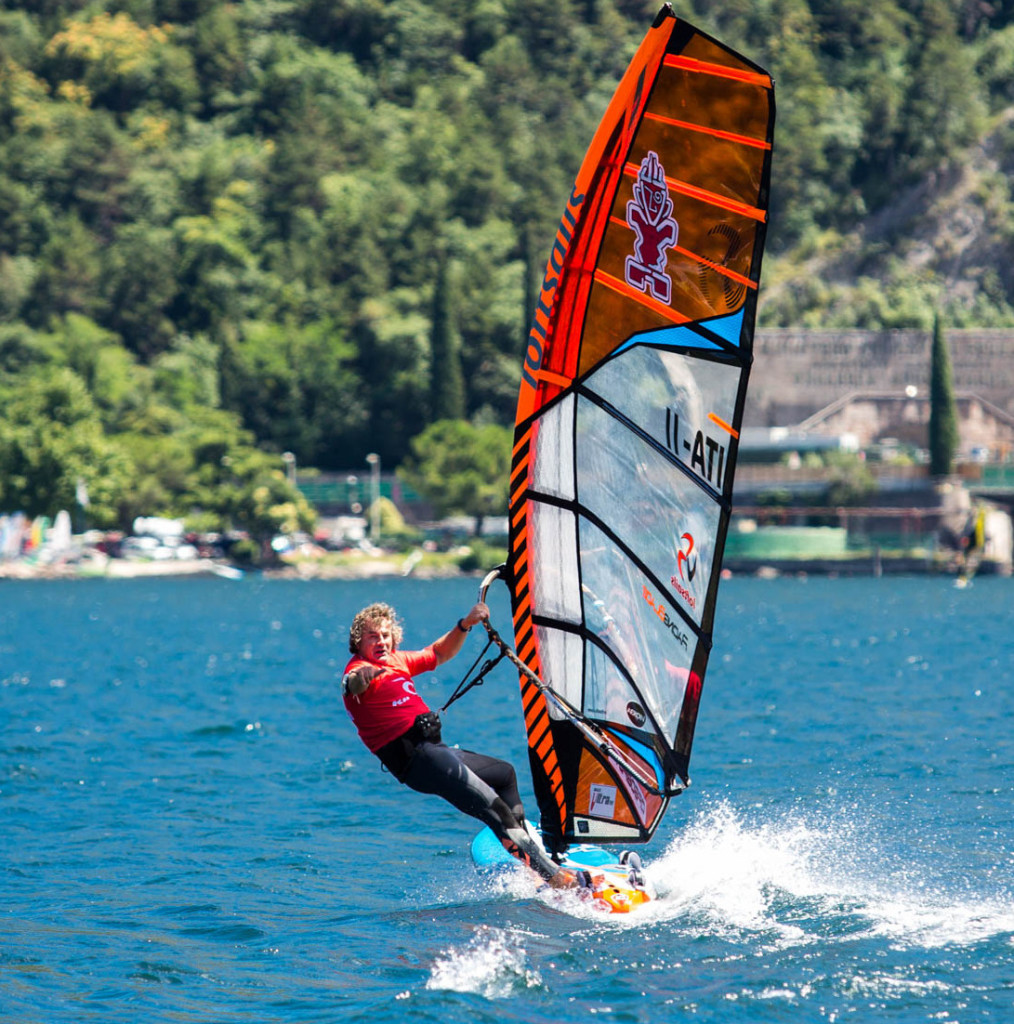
[[617, 882]]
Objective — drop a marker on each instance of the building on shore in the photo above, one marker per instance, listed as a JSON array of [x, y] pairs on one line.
[[875, 385]]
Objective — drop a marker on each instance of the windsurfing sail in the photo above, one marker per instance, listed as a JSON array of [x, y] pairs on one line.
[[629, 413]]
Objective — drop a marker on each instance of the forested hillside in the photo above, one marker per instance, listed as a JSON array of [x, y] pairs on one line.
[[235, 229]]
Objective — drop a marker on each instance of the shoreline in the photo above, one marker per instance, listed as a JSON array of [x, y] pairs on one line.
[[387, 566], [105, 567]]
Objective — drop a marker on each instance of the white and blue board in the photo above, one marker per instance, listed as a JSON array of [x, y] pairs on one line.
[[613, 883]]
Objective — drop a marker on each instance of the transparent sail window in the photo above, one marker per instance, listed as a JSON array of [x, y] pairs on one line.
[[553, 440], [553, 553], [560, 658], [663, 516], [645, 634], [686, 403]]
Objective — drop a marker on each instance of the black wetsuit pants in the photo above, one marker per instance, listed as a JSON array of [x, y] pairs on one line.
[[483, 787]]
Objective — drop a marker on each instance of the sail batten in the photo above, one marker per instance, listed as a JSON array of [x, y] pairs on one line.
[[629, 414], [675, 185], [634, 295], [718, 133], [720, 71]]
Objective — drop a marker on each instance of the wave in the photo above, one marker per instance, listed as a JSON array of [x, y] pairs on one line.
[[793, 880], [493, 964], [802, 881]]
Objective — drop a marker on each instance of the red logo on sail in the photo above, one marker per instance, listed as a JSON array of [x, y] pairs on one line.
[[686, 569], [649, 214]]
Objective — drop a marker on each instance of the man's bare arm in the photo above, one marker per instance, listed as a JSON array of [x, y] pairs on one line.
[[452, 641]]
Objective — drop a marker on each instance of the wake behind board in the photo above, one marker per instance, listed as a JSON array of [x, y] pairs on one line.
[[614, 888]]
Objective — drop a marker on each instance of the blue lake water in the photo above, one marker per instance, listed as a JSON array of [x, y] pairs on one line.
[[191, 832]]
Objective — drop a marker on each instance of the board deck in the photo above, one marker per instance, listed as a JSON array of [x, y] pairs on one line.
[[612, 887]]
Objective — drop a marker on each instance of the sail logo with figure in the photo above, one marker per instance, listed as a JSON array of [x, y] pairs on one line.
[[649, 214]]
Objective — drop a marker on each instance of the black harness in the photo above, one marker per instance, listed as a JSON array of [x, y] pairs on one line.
[[396, 755]]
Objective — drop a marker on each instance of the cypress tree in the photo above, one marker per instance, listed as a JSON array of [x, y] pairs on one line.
[[943, 420], [447, 384]]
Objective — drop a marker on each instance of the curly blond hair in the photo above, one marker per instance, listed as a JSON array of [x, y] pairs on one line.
[[371, 616]]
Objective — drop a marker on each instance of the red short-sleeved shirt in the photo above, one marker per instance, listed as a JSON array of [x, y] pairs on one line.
[[389, 705]]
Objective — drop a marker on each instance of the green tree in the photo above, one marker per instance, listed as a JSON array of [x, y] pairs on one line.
[[391, 335], [944, 108], [108, 370], [138, 289], [50, 439], [461, 468], [208, 204], [447, 386], [120, 64], [296, 389], [850, 481], [943, 420], [187, 374], [264, 504]]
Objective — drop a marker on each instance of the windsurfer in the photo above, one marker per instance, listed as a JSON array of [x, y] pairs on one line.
[[396, 724]]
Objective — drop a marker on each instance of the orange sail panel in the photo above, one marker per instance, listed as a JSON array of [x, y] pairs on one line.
[[629, 414]]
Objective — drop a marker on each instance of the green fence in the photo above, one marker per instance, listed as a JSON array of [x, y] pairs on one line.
[[997, 476], [787, 542], [348, 490]]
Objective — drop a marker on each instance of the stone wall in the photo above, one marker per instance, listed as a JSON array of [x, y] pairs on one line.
[[872, 418], [799, 372]]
